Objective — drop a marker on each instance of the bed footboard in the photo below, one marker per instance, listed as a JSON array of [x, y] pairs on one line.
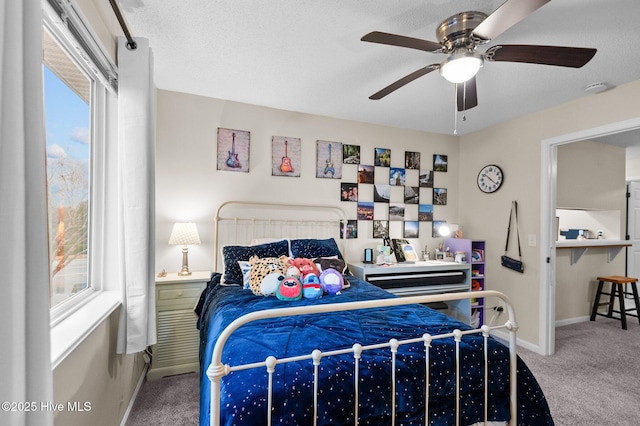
[[217, 370]]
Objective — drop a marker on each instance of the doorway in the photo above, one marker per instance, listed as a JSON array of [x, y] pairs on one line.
[[548, 181]]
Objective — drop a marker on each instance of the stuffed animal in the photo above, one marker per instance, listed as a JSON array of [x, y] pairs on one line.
[[332, 281], [305, 266], [311, 288], [293, 271], [289, 288], [270, 283], [261, 268]]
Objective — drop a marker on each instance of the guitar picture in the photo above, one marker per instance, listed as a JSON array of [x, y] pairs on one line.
[[328, 168], [285, 166], [232, 160]]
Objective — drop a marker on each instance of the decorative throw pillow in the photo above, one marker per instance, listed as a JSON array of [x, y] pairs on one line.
[[232, 254], [330, 262], [312, 248], [245, 267]]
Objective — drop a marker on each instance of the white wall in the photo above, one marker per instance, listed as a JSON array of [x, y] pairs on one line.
[[633, 168], [189, 188]]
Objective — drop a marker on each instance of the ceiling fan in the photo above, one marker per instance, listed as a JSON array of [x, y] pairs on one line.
[[461, 34]]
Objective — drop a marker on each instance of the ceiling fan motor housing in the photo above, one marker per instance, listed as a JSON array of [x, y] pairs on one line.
[[455, 31]]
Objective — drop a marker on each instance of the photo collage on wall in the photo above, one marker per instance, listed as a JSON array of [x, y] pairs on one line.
[[393, 179], [381, 182]]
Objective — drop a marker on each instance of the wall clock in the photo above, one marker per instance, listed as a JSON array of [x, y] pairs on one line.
[[490, 178]]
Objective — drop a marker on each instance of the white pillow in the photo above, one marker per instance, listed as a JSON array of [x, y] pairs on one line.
[[245, 267]]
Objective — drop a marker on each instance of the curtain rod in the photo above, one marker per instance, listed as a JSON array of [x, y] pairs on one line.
[[131, 43]]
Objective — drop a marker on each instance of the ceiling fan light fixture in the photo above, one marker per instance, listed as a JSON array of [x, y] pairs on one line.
[[461, 66]]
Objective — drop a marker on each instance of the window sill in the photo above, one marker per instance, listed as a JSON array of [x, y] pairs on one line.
[[69, 333]]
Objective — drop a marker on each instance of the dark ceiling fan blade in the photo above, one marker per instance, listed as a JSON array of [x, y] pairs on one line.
[[506, 16], [402, 41], [574, 57], [466, 95], [403, 81]]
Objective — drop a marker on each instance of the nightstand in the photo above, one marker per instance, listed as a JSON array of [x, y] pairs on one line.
[[176, 351]]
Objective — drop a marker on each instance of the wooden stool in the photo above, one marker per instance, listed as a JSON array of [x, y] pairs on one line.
[[617, 282]]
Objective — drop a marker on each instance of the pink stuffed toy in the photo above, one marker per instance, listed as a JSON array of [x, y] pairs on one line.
[[305, 266]]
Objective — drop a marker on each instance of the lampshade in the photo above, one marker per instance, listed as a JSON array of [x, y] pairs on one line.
[[184, 234], [461, 66], [444, 231]]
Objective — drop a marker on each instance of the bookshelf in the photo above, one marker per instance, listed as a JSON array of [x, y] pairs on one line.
[[475, 252]]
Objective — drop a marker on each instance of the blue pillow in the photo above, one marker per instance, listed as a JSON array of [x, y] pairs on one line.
[[312, 248], [232, 254]]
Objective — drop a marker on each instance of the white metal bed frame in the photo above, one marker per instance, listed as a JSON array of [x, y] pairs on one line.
[[241, 222], [217, 370]]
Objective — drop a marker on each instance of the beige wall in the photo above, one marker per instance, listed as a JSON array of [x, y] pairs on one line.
[[516, 146], [189, 188], [94, 373], [591, 176]]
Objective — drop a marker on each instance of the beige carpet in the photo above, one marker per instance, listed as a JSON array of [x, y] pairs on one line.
[[594, 376], [170, 401], [593, 379]]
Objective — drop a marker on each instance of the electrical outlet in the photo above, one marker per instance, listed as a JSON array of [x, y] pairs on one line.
[[532, 240]]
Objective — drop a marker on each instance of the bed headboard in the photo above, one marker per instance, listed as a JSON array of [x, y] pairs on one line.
[[241, 222]]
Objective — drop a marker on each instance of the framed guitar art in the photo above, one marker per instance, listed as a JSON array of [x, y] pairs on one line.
[[233, 150], [285, 156], [329, 159]]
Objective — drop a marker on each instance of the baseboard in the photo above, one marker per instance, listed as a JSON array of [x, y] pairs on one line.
[[135, 395], [572, 321], [503, 337]]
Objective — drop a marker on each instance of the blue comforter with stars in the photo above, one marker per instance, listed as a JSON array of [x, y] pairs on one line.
[[244, 396]]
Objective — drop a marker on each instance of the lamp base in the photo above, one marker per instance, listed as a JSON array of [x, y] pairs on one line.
[[185, 263]]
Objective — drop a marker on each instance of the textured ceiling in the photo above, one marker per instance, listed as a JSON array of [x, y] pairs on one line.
[[305, 55]]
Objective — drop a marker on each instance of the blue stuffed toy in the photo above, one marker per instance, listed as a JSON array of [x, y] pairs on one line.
[[311, 288]]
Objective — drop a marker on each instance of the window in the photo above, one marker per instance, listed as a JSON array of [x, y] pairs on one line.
[[67, 100], [79, 96]]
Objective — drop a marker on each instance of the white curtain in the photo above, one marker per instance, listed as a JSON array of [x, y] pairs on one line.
[[136, 184], [25, 360]]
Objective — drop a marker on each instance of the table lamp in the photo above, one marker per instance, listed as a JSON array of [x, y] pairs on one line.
[[444, 231], [184, 234]]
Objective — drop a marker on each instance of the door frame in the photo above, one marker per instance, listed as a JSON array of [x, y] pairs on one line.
[[548, 182]]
